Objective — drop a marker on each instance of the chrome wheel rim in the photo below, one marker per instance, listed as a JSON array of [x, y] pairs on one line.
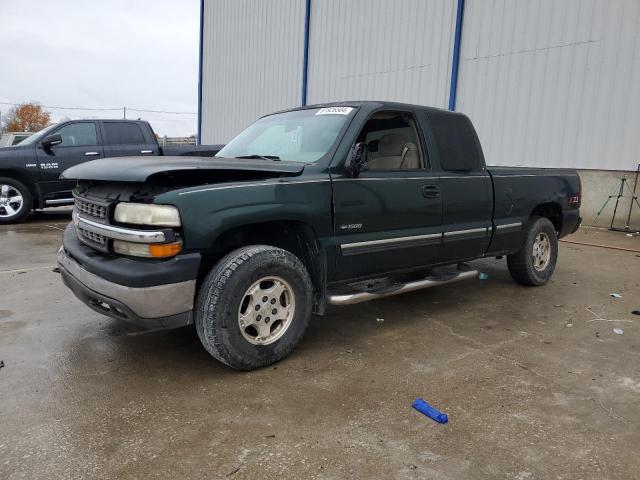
[[11, 201], [266, 310], [541, 252]]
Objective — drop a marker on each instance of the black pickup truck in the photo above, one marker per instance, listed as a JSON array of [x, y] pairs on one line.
[[327, 204], [30, 170]]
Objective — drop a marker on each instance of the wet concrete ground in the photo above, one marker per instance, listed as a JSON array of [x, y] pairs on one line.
[[535, 381]]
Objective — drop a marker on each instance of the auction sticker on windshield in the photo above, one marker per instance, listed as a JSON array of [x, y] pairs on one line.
[[334, 111]]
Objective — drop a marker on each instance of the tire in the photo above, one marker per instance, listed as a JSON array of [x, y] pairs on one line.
[[224, 300], [531, 266], [16, 211]]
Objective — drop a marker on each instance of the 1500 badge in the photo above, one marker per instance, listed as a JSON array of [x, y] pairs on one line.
[[351, 226]]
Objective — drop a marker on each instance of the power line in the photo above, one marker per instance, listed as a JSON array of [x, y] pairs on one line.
[[104, 109], [161, 111], [63, 108]]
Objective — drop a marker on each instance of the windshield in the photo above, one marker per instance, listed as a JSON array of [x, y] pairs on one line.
[[301, 135], [40, 133]]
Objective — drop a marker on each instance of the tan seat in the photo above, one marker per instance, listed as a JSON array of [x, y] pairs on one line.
[[395, 153]]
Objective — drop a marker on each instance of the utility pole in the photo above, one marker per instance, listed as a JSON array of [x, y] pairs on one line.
[[124, 112]]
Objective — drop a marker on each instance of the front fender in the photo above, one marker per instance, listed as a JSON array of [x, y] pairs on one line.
[[208, 211]]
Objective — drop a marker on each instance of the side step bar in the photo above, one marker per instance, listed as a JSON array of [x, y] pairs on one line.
[[58, 201], [351, 298]]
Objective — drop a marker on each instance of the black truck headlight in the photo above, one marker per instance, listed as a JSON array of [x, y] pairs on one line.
[[147, 214]]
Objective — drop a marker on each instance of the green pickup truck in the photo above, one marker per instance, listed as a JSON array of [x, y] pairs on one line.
[[327, 204]]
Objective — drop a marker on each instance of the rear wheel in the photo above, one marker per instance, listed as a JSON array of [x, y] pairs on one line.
[[254, 307], [15, 201], [535, 262]]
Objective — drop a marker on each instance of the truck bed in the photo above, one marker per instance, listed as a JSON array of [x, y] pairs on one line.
[[518, 190]]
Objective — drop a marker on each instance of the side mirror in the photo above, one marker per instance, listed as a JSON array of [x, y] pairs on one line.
[[357, 160], [51, 141]]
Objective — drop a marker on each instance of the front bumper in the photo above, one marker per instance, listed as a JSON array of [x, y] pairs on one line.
[[147, 300]]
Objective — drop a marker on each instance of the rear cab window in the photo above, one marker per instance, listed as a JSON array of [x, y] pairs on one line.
[[122, 133], [455, 138]]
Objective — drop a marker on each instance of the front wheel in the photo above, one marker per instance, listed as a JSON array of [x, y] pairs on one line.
[[535, 262], [254, 307], [15, 201]]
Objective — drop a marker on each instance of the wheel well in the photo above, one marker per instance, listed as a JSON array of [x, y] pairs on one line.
[[296, 237], [552, 211], [24, 179]]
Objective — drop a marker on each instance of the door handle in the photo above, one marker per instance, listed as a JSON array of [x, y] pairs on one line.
[[146, 151], [91, 154], [430, 191]]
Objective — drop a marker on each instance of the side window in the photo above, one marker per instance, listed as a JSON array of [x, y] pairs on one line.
[[122, 133], [78, 134], [392, 142], [457, 145]]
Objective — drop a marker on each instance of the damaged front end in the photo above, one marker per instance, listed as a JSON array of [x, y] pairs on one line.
[[125, 254], [135, 272]]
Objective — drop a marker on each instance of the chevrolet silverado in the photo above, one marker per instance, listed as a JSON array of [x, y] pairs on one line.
[[327, 204]]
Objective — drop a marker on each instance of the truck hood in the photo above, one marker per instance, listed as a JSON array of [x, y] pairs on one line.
[[139, 169], [10, 149]]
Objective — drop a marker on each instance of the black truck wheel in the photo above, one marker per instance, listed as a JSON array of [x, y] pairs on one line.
[[254, 307], [535, 262], [15, 201]]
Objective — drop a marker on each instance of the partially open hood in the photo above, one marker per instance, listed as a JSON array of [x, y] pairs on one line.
[[139, 169]]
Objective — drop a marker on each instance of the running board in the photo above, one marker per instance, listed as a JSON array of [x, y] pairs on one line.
[[351, 298], [58, 201]]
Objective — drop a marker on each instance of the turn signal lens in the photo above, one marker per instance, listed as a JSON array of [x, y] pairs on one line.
[[158, 250], [153, 250]]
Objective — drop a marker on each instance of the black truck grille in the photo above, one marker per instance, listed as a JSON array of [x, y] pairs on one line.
[[91, 209], [92, 237], [97, 211]]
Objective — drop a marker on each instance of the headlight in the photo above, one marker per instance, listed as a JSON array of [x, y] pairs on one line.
[[147, 214]]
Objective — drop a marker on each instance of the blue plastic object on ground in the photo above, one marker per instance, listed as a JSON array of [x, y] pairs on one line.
[[431, 412], [483, 276]]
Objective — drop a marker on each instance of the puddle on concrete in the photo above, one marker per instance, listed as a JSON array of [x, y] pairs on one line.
[[11, 326]]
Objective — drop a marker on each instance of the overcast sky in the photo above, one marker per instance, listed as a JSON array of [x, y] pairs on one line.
[[85, 53]]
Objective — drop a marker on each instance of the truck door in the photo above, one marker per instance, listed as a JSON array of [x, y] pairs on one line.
[[465, 185], [122, 139], [389, 218], [467, 201], [79, 144]]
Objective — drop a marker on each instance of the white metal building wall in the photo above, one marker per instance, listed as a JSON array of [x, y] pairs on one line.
[[553, 83], [251, 62], [381, 50]]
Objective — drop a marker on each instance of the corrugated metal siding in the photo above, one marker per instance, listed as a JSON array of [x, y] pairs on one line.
[[381, 50], [553, 83], [252, 62]]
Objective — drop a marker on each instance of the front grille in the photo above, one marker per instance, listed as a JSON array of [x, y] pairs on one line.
[[93, 239], [91, 209], [97, 211]]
